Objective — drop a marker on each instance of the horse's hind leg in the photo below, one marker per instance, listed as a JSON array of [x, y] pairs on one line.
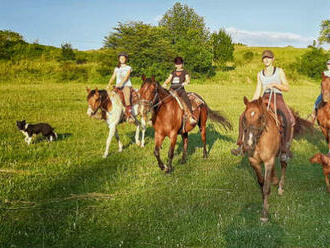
[[143, 127], [325, 132], [120, 145], [158, 142], [173, 138], [281, 185], [275, 180], [185, 147], [202, 128]]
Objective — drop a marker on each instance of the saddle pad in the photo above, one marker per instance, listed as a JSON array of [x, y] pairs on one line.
[[195, 100]]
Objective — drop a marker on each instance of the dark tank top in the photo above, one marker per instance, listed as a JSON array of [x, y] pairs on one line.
[[178, 78]]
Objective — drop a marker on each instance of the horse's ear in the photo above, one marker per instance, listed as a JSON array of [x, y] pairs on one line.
[[88, 89], [245, 100], [96, 91], [144, 77], [153, 78], [260, 101]]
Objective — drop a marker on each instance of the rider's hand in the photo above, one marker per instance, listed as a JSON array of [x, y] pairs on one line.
[[164, 85]]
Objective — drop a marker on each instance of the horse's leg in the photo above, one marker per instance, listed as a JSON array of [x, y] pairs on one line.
[[120, 145], [325, 132], [112, 131], [327, 183], [143, 127], [173, 138], [266, 188], [257, 168], [275, 180], [158, 142], [185, 147], [137, 131], [281, 185], [202, 128]]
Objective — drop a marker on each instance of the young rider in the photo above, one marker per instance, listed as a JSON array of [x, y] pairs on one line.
[[178, 79], [272, 80], [122, 75], [319, 98]]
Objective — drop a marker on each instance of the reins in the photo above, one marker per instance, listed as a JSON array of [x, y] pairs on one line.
[[272, 92]]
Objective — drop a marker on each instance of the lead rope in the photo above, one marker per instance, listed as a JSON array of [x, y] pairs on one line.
[[272, 92]]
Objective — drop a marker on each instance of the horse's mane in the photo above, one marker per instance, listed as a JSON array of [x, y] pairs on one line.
[[103, 94]]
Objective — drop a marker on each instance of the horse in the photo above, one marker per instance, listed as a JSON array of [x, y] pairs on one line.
[[261, 142], [323, 112], [168, 119], [113, 110]]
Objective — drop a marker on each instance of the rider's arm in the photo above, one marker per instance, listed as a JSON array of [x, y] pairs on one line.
[[284, 86], [125, 78], [112, 79], [167, 81], [257, 93], [187, 80]]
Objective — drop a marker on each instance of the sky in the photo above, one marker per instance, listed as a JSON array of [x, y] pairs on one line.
[[85, 23]]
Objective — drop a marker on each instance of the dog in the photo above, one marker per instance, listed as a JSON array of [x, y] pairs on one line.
[[33, 129], [324, 160]]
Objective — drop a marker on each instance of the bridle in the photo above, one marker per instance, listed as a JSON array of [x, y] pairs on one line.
[[100, 105], [151, 103]]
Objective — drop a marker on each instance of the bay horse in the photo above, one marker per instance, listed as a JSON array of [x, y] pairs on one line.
[[323, 112], [261, 142], [168, 119], [112, 111]]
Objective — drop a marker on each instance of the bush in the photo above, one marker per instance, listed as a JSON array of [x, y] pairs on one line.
[[73, 72], [248, 56], [223, 48], [313, 62]]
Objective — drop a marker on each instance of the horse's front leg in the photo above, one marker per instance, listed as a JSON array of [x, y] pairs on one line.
[[137, 134], [158, 143], [185, 147], [266, 188], [325, 132], [173, 138], [143, 127], [281, 185], [112, 131]]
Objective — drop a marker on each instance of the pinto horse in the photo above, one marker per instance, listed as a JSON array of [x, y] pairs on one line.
[[323, 113], [113, 110], [262, 139], [168, 119]]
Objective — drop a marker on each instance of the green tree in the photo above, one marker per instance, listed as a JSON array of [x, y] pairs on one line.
[[325, 32], [148, 47], [223, 47], [67, 52]]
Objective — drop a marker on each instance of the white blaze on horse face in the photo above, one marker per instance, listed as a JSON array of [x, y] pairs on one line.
[[250, 141], [253, 113]]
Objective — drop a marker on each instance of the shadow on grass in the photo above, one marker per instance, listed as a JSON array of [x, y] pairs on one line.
[[246, 230], [195, 140]]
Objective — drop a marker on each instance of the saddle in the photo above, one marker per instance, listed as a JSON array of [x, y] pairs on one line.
[[134, 96]]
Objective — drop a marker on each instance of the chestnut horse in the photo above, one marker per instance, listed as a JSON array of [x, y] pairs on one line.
[[113, 111], [323, 113], [168, 119], [262, 139]]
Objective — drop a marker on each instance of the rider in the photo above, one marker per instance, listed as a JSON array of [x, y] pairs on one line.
[[122, 75], [179, 78], [272, 80], [319, 98]]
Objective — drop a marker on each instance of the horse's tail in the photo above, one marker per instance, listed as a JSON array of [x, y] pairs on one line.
[[217, 117], [302, 125]]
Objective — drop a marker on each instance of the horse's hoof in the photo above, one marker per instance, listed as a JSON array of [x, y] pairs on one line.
[[328, 189], [138, 143], [168, 171], [275, 180], [142, 144], [105, 155], [280, 191], [162, 167], [264, 219], [205, 155]]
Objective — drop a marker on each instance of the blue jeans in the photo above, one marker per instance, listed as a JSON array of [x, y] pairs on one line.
[[318, 101]]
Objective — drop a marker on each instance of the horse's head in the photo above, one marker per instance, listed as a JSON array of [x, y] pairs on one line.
[[326, 88], [94, 101], [254, 121], [148, 92]]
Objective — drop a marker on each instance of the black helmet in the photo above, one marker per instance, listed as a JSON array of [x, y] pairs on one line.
[[178, 60], [123, 54]]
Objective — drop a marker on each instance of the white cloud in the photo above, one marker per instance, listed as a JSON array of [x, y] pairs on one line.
[[262, 38]]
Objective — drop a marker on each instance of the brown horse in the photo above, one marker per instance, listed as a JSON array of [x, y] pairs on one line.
[[262, 139], [168, 119], [323, 113]]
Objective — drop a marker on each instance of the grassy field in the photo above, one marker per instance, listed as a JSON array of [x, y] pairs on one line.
[[63, 194]]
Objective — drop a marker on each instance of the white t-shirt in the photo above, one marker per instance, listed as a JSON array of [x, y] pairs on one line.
[[121, 73], [327, 73]]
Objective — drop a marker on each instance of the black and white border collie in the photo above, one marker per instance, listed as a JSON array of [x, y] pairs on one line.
[[33, 129]]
